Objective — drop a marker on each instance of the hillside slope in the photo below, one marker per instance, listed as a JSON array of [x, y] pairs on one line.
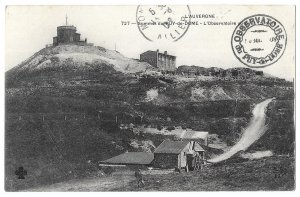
[[77, 58], [65, 106]]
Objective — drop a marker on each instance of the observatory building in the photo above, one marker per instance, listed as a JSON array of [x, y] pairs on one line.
[[162, 61], [67, 35]]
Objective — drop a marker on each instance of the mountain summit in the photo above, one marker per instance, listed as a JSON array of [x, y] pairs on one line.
[[78, 57]]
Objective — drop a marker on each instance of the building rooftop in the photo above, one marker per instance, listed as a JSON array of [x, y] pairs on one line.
[[157, 51], [137, 158], [169, 146], [67, 27], [198, 147], [175, 147]]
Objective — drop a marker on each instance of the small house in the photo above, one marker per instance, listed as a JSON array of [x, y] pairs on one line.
[[178, 154]]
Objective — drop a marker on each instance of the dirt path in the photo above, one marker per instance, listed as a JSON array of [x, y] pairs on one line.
[[118, 181], [272, 173], [89, 184]]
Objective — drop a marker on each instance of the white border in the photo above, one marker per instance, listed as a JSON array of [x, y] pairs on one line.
[[3, 3]]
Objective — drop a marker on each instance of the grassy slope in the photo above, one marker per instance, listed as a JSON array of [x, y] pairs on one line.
[[56, 149], [275, 173]]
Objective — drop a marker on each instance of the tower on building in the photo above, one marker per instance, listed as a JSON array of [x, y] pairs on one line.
[[67, 34]]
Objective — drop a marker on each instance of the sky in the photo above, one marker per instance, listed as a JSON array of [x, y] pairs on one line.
[[30, 28]]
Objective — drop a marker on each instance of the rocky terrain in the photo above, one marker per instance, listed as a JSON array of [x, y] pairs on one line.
[[65, 107]]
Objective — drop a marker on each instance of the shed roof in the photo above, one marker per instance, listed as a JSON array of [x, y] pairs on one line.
[[138, 158], [169, 146], [198, 147]]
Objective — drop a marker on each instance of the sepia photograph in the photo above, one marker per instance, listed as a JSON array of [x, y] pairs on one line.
[[149, 98]]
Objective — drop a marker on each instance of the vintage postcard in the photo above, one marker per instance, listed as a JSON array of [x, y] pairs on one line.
[[150, 98]]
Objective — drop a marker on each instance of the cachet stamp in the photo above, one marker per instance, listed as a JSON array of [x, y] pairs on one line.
[[259, 41], [163, 22]]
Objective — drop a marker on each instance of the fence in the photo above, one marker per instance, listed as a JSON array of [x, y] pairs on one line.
[[118, 118]]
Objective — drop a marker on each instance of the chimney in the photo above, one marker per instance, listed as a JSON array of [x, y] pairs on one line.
[[165, 52]]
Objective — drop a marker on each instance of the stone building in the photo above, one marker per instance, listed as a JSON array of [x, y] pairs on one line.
[[162, 61], [186, 154], [67, 34], [178, 154]]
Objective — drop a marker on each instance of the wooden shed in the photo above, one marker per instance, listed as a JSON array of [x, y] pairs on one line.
[[178, 154]]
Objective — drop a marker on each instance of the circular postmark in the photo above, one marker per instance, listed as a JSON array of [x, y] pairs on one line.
[[163, 22], [259, 41]]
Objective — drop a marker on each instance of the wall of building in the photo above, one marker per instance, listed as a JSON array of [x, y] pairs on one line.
[[65, 35], [183, 154], [77, 37], [54, 40], [166, 62], [159, 60], [150, 57], [164, 160], [183, 157]]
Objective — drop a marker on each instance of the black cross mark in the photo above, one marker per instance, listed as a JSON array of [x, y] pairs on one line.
[[21, 173]]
